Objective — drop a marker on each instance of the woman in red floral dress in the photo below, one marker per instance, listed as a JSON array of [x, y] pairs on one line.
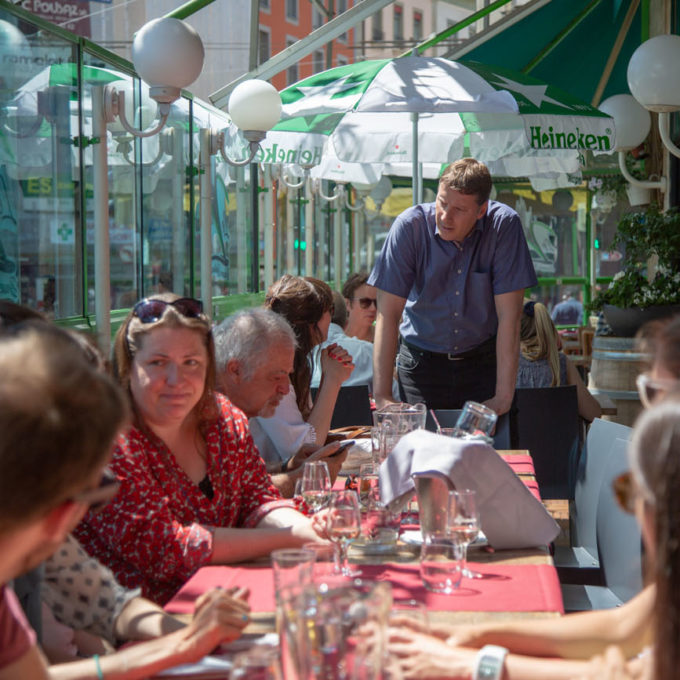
[[194, 490]]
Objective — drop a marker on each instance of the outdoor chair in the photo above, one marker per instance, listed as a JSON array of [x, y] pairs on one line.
[[352, 407], [546, 422], [619, 545], [580, 562], [449, 417]]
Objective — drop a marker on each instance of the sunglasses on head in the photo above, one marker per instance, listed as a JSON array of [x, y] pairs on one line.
[[366, 302], [100, 496], [149, 310], [651, 390], [624, 492]]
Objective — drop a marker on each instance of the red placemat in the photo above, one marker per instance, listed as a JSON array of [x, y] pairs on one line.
[[521, 588]]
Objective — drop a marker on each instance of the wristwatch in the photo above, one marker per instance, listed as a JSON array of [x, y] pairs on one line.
[[489, 663]]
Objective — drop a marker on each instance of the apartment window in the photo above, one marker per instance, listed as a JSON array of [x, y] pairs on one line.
[[417, 26], [292, 10], [377, 33], [317, 18], [318, 61], [398, 22], [341, 7], [266, 5], [264, 46], [292, 75], [342, 60]]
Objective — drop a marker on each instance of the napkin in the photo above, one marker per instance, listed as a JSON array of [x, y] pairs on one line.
[[510, 516]]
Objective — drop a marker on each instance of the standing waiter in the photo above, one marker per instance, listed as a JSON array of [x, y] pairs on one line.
[[456, 269]]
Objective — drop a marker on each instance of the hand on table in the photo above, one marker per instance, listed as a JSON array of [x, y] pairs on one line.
[[219, 616], [420, 656], [613, 666], [336, 363]]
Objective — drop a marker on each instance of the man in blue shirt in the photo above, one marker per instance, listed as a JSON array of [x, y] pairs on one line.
[[451, 279], [569, 312]]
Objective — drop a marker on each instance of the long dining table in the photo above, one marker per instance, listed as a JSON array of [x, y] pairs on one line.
[[513, 583]]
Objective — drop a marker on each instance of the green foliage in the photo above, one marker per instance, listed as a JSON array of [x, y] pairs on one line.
[[640, 235]]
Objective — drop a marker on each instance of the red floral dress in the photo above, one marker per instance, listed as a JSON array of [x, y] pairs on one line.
[[158, 530]]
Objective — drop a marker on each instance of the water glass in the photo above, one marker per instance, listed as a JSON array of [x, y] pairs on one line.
[[323, 561], [260, 662], [343, 525], [412, 609], [369, 485], [440, 564], [476, 421], [463, 523], [316, 484], [291, 567]]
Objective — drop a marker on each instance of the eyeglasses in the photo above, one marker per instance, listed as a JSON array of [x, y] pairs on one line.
[[624, 492], [149, 310], [651, 390], [99, 497], [366, 302]]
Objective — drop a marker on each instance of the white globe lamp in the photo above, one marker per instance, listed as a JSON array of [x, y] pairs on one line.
[[654, 73], [168, 55], [633, 122], [255, 107]]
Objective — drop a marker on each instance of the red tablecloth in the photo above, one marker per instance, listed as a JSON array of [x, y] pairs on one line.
[[521, 588]]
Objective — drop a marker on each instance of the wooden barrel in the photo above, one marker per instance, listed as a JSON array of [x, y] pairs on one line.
[[614, 367]]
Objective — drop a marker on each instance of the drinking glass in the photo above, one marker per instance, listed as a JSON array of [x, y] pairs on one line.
[[260, 662], [369, 485], [440, 563], [316, 484], [292, 567], [323, 561], [476, 421], [463, 524], [412, 609], [343, 525]]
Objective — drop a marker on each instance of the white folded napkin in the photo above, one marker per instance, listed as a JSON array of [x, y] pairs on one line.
[[511, 516]]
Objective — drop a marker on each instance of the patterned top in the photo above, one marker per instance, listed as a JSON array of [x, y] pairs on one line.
[[158, 530], [538, 373], [82, 593]]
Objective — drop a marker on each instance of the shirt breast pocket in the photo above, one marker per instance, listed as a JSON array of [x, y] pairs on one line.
[[480, 302]]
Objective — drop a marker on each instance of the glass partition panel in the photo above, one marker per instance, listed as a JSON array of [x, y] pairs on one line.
[[40, 233], [124, 252]]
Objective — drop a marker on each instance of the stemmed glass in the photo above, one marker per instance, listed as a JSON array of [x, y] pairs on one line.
[[463, 524], [343, 524], [316, 484]]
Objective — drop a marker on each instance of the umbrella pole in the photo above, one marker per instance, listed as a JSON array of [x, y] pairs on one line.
[[415, 178]]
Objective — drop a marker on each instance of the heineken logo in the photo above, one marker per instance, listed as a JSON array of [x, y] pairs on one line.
[[280, 154], [540, 139]]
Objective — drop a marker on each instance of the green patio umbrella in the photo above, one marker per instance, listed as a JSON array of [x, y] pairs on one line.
[[431, 110]]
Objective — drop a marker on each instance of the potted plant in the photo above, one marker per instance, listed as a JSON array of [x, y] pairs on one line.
[[633, 297]]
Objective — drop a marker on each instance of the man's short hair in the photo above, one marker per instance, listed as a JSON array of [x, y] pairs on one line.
[[247, 336], [468, 176], [339, 315], [58, 419], [354, 281]]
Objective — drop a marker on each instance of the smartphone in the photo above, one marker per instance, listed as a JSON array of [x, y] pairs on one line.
[[344, 445]]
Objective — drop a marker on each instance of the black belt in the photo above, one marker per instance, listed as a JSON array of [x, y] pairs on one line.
[[484, 349]]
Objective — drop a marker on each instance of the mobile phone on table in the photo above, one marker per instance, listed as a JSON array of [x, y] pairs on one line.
[[344, 445]]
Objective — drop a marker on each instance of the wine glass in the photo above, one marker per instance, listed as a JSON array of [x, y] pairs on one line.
[[316, 484], [463, 524], [343, 525]]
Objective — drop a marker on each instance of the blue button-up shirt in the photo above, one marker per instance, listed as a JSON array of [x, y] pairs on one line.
[[449, 288]]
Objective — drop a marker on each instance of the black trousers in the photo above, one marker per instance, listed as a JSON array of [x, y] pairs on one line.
[[443, 383]]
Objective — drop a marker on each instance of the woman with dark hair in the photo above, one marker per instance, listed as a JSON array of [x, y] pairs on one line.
[[193, 489], [541, 364], [307, 304]]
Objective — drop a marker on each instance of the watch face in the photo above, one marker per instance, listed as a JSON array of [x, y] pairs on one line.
[[489, 668]]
